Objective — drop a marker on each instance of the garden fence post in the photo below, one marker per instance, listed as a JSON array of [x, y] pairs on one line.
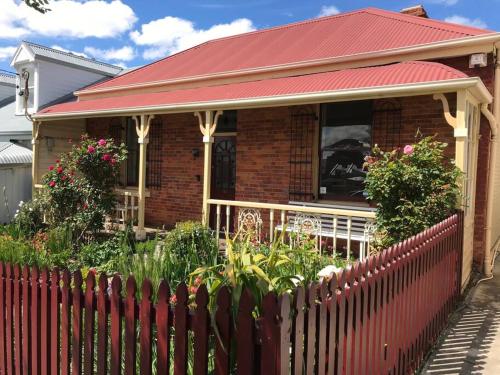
[[181, 330], [130, 327], [299, 300], [145, 323], [102, 325], [26, 332], [270, 336], [245, 338], [88, 348], [76, 343], [65, 323], [116, 325], [223, 322], [54, 322], [17, 321], [163, 329]]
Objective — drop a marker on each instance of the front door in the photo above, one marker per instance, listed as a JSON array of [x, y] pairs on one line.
[[223, 184]]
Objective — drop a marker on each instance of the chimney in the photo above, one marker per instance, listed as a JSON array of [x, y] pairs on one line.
[[417, 10]]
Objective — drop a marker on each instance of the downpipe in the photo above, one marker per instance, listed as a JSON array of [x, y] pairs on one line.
[[494, 121]]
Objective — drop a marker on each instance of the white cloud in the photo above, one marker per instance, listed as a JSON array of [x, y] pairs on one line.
[[59, 48], [6, 53], [172, 34], [125, 53], [443, 2], [461, 20], [67, 18], [328, 10]]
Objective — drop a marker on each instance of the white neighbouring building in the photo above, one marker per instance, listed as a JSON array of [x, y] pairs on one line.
[[43, 76]]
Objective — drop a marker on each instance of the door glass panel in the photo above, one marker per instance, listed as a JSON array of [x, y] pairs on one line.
[[345, 141]]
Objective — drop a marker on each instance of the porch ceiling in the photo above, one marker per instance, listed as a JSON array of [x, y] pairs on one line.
[[402, 79]]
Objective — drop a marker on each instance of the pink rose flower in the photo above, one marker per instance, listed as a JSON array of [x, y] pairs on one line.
[[52, 183], [408, 150], [106, 157], [59, 170], [91, 149], [101, 142], [51, 168], [113, 161]]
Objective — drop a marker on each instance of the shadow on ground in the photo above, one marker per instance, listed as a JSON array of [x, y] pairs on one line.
[[471, 345]]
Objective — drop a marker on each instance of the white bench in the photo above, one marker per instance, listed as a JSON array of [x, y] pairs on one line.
[[328, 226]]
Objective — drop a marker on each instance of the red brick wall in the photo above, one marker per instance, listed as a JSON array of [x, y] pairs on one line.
[[262, 155], [180, 195]]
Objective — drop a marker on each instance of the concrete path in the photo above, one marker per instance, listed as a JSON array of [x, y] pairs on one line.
[[472, 343]]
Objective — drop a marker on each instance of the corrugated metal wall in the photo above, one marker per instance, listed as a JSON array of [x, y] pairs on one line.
[[15, 186]]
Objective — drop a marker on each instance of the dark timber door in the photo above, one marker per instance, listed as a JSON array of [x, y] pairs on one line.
[[223, 185]]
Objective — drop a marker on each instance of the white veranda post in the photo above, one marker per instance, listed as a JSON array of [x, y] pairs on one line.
[[466, 132], [207, 128], [142, 124]]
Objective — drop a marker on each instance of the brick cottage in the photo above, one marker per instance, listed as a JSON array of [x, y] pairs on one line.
[[277, 121]]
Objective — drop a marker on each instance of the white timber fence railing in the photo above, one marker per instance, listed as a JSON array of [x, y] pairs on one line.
[[333, 228]]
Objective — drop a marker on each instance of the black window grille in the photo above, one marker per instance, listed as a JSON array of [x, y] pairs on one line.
[[387, 123], [302, 139], [154, 155], [115, 130]]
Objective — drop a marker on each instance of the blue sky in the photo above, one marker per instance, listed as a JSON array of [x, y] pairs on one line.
[[132, 33]]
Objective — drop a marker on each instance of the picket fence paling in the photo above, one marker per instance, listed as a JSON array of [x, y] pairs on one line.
[[378, 317]]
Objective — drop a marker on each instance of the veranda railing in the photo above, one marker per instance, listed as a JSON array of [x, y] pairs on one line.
[[378, 317], [334, 226]]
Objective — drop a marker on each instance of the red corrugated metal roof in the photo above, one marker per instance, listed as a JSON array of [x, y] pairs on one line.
[[362, 31], [388, 75]]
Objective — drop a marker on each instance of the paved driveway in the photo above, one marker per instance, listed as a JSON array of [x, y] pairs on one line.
[[472, 344]]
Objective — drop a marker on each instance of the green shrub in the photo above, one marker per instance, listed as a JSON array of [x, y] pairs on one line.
[[23, 253], [105, 255], [192, 242], [413, 189], [188, 246]]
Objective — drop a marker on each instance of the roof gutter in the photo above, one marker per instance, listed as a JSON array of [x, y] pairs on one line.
[[474, 84], [454, 43]]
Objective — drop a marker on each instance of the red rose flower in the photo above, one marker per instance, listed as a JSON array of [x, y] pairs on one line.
[[59, 170], [106, 157], [52, 183], [51, 168]]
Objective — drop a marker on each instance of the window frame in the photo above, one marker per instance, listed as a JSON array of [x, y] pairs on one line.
[[322, 198]]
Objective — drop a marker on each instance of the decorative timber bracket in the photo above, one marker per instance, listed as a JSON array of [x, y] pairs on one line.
[[450, 119], [142, 125], [35, 138], [208, 126]]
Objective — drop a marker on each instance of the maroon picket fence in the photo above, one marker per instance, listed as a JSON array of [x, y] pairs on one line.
[[378, 317]]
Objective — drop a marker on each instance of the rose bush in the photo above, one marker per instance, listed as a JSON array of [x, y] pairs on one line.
[[80, 185], [413, 189]]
